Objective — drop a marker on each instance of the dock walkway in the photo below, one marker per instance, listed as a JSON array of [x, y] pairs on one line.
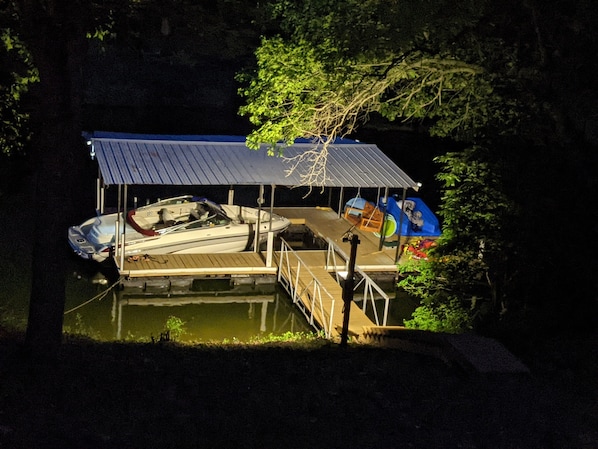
[[317, 293], [320, 297]]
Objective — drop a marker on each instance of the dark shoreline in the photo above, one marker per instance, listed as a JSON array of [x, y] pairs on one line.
[[101, 395]]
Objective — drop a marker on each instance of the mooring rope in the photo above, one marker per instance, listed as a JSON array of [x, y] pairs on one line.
[[99, 296]]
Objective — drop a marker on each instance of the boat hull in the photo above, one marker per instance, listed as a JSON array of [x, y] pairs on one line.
[[234, 230]]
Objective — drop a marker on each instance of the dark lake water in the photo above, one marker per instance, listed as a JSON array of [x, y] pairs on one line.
[[203, 317]]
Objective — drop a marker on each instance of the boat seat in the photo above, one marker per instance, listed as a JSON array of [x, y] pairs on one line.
[[369, 218], [167, 217], [143, 223]]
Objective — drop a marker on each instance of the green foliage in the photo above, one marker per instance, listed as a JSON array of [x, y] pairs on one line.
[[377, 28], [449, 316], [287, 337], [17, 74], [81, 329], [463, 282], [285, 89], [13, 297], [175, 327], [11, 319], [310, 90], [339, 62], [473, 204], [102, 30], [445, 65]]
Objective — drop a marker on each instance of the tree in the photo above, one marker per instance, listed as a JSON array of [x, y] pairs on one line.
[[429, 63], [52, 38], [522, 286], [497, 78], [323, 81], [307, 91], [468, 274], [55, 34]]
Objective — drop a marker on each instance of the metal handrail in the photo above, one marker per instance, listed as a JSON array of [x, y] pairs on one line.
[[369, 284], [291, 283]]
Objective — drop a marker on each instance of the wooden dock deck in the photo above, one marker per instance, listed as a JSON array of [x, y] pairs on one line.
[[312, 278], [245, 263], [326, 224]]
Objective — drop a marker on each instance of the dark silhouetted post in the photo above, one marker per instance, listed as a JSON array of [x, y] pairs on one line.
[[349, 285]]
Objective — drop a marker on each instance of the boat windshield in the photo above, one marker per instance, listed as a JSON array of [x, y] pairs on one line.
[[213, 217]]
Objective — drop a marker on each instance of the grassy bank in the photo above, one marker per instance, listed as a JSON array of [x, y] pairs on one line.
[[275, 395]]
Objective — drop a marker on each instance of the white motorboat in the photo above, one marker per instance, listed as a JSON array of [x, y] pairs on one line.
[[180, 225]]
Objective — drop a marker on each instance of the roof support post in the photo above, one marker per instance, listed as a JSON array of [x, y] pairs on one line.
[[260, 201], [383, 230], [123, 238], [398, 250], [98, 194], [340, 202], [273, 188], [117, 226], [102, 197], [270, 246]]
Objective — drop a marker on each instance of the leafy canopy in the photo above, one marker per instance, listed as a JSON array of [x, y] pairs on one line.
[[17, 74], [306, 90], [336, 63]]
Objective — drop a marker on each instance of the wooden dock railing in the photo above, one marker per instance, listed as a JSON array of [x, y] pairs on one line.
[[369, 286], [307, 290]]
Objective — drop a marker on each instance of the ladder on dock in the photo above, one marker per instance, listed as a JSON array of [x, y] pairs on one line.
[[317, 293]]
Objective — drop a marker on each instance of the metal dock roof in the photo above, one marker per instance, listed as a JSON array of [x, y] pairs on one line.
[[139, 159]]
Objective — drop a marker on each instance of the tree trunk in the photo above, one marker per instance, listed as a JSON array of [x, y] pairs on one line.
[[57, 41], [54, 184]]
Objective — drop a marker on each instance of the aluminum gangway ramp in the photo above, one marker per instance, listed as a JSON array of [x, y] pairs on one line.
[[317, 294]]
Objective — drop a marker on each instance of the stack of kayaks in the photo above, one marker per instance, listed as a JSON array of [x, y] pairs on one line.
[[417, 218]]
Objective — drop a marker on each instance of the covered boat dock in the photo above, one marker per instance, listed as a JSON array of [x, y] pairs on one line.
[[126, 160], [172, 160]]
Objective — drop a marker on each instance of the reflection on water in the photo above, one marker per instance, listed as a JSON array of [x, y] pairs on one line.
[[208, 318], [203, 317]]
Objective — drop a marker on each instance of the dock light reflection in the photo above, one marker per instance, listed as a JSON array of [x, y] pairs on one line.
[[211, 317]]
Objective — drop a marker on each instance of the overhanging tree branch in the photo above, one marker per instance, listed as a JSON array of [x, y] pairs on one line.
[[302, 91]]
